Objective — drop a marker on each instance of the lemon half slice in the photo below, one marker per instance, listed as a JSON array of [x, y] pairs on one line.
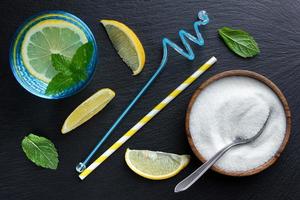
[[88, 109], [155, 165], [127, 44], [49, 37]]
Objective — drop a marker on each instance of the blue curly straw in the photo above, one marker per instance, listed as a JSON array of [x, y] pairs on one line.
[[189, 54]]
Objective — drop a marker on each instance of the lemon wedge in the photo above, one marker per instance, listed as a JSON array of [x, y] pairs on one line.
[[155, 165], [88, 109], [127, 44]]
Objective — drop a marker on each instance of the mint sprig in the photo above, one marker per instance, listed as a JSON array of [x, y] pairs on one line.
[[70, 72]]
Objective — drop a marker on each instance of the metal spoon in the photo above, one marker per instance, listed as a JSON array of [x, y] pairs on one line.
[[192, 178]]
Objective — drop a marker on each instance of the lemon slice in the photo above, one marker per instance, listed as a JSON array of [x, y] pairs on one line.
[[88, 109], [127, 44], [155, 165], [49, 37]]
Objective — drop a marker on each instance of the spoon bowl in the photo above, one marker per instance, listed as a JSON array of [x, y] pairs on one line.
[[241, 140]]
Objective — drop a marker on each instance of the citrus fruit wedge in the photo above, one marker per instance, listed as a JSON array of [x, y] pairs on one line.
[[49, 37], [88, 109], [155, 165], [127, 44]]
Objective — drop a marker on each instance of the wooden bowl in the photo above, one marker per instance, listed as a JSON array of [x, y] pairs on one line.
[[266, 82]]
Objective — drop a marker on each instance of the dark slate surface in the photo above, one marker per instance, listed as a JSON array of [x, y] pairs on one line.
[[274, 24]]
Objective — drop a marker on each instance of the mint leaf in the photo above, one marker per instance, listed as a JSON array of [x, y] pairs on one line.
[[82, 57], [80, 76], [60, 83], [240, 42], [41, 151], [60, 63]]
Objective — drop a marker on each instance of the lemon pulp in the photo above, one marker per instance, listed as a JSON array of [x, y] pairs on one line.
[[127, 44], [155, 165], [88, 109], [49, 37]]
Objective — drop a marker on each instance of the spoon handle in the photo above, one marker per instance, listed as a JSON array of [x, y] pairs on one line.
[[193, 177]]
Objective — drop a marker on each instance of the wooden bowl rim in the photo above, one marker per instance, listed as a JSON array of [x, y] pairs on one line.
[[262, 79]]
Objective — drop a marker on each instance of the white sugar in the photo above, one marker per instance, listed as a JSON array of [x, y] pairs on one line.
[[237, 106]]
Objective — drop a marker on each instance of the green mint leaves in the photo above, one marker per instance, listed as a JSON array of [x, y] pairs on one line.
[[70, 72], [41, 151], [82, 57], [240, 42], [60, 63], [60, 83]]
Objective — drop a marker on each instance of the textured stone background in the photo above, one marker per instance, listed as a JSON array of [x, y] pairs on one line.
[[275, 26]]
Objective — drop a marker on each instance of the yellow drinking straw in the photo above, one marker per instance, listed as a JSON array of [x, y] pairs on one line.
[[147, 118]]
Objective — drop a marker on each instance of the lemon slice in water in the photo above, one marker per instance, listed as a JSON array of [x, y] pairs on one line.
[[155, 165], [88, 109], [49, 37], [127, 44]]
